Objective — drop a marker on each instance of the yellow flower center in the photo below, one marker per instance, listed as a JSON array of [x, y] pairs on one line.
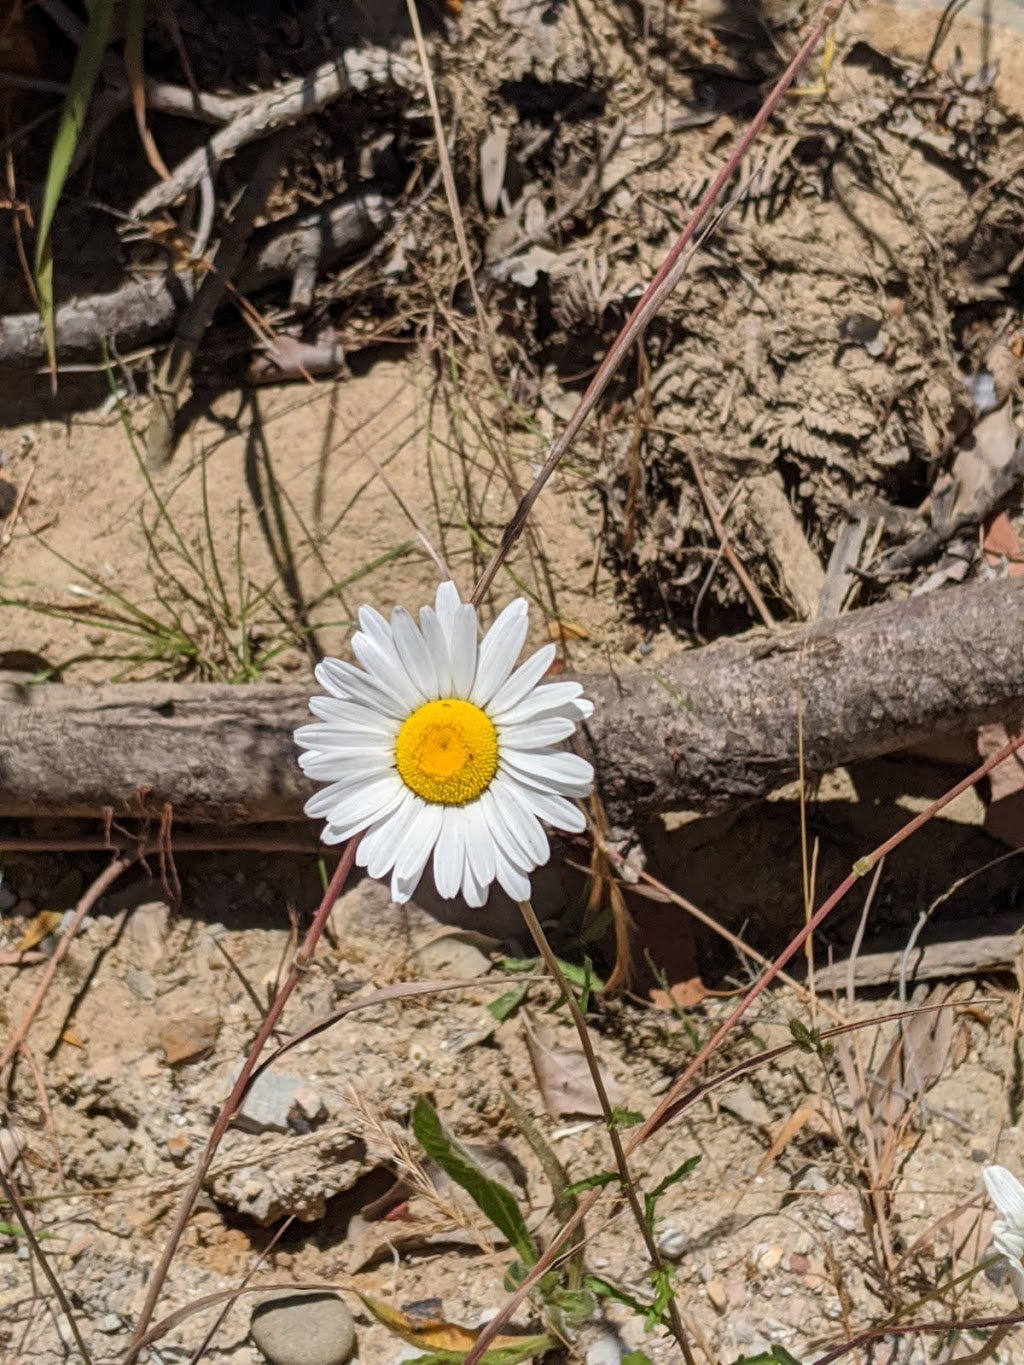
[[447, 752]]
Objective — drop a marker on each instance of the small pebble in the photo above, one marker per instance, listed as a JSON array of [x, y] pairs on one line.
[[716, 1293], [295, 1328], [672, 1243], [110, 1324], [451, 957], [140, 983], [606, 1350]]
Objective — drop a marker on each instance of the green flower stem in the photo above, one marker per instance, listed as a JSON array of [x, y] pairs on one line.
[[626, 1179]]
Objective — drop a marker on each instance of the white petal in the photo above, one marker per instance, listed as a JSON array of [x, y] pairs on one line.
[[522, 682], [381, 843], [551, 770], [329, 767], [338, 831], [414, 653], [374, 624], [399, 893], [349, 683], [343, 774], [446, 604], [511, 878], [463, 651], [499, 651], [1006, 1241], [418, 843], [555, 810], [538, 734], [516, 819], [381, 661], [502, 835], [340, 802], [330, 835], [479, 844], [437, 643], [338, 740], [1007, 1193], [474, 893], [550, 699], [450, 853], [349, 715]]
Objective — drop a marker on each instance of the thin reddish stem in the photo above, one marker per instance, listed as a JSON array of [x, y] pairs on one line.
[[668, 276], [234, 1100]]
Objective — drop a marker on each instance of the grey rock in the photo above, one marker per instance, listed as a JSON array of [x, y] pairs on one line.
[[450, 956], [145, 934], [140, 983], [606, 1350], [12, 1144], [672, 1243], [266, 1183], [743, 1104], [272, 1098], [296, 1328]]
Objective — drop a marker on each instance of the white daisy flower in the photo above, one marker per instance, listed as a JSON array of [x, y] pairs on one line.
[[1007, 1193], [435, 746]]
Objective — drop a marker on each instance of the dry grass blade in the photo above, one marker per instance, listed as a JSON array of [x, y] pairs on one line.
[[668, 276], [136, 23], [13, 1198]]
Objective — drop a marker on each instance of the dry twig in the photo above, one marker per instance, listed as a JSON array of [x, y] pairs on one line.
[[284, 104]]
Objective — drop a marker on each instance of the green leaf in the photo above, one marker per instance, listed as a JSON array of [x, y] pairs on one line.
[[12, 1230], [680, 1173], [494, 1200], [778, 1355], [578, 976], [72, 119], [635, 1358], [656, 1316], [576, 1306], [588, 981], [508, 1003], [531, 1348], [806, 1039], [626, 1118], [809, 1039], [591, 1182], [607, 1290]]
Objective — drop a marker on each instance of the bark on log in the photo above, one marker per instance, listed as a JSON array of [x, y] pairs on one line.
[[705, 728]]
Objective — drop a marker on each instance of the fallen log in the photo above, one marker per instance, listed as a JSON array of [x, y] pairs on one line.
[[702, 729], [970, 947]]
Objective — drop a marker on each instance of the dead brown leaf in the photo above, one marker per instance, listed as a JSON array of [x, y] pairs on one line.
[[566, 1085]]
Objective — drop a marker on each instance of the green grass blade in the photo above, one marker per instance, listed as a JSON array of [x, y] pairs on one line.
[[72, 120]]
